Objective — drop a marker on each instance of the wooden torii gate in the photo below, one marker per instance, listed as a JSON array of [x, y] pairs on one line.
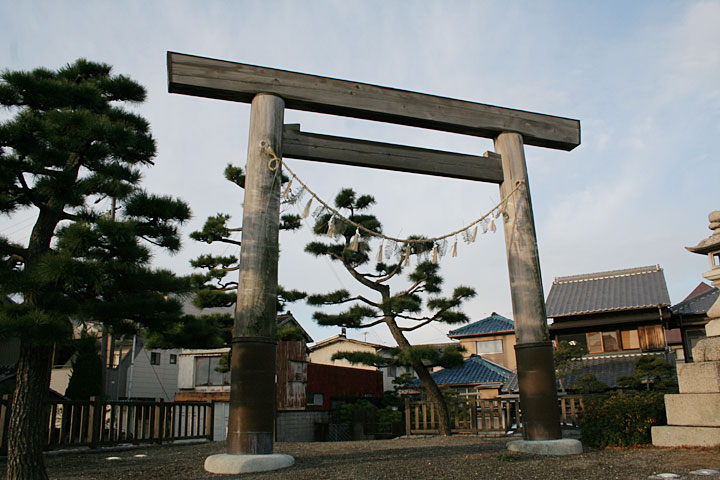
[[270, 91]]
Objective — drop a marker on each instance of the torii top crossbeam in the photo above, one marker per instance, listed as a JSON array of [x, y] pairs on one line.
[[239, 82]]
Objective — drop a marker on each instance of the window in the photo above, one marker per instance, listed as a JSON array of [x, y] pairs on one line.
[[392, 371], [594, 342], [155, 358], [206, 373], [610, 342], [630, 340], [315, 399], [489, 346], [173, 359]]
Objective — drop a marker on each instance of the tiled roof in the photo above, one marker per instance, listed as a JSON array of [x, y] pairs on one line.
[[492, 324], [606, 368], [702, 287], [474, 371], [287, 319], [616, 290], [344, 339], [697, 305]]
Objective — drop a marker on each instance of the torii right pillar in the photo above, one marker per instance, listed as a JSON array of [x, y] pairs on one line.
[[534, 352]]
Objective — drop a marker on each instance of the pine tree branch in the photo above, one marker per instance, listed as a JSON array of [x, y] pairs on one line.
[[360, 278], [391, 274], [68, 216], [227, 269], [25, 188], [371, 324], [367, 301], [414, 288], [232, 242], [229, 288], [414, 319], [415, 327]]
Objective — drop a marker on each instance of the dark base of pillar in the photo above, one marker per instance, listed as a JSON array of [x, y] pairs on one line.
[[538, 391], [251, 422]]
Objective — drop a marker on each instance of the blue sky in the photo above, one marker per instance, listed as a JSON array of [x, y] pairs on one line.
[[642, 77]]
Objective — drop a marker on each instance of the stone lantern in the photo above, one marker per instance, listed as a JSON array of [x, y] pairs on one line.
[[694, 414], [711, 247]]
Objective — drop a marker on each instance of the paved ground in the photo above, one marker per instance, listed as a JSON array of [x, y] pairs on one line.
[[415, 458]]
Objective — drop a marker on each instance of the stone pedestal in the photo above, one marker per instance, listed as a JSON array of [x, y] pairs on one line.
[[694, 414], [563, 446], [227, 464]]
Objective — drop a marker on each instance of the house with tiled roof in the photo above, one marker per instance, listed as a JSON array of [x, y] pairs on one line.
[[690, 317], [323, 351], [476, 375], [619, 315], [611, 312], [493, 338]]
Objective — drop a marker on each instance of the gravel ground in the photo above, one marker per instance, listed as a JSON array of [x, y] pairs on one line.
[[457, 457]]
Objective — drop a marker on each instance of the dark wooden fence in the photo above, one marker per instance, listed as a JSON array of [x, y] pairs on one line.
[[97, 423], [472, 414]]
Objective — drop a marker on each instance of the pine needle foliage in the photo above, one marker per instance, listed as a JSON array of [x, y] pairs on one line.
[[69, 145], [214, 283]]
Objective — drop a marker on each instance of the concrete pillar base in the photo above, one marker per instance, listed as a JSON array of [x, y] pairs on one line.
[[564, 446], [225, 463]]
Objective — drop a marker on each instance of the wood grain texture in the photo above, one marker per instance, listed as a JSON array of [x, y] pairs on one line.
[[387, 156], [206, 77], [526, 290]]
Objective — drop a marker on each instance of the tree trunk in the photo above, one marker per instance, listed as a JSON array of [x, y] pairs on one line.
[[436, 397], [28, 428], [423, 374]]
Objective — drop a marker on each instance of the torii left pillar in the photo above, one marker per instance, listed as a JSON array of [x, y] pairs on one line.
[[251, 423]]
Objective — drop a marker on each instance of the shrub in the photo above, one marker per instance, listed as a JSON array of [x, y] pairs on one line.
[[588, 383], [622, 419]]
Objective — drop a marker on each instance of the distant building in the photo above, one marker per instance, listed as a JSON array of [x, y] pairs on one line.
[[690, 318], [322, 352], [492, 338], [611, 312], [476, 376]]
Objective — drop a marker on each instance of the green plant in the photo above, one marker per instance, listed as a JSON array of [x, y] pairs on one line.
[[651, 373], [622, 419], [566, 357], [86, 378], [347, 412], [588, 383], [386, 417]]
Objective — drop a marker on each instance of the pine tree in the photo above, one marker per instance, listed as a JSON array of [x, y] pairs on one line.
[[214, 285], [69, 143], [348, 246], [566, 357], [86, 377]]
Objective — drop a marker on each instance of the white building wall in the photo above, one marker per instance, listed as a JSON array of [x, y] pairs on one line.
[[324, 354], [153, 381]]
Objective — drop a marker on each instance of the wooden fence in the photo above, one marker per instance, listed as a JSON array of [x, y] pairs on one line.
[[97, 423], [472, 414]]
